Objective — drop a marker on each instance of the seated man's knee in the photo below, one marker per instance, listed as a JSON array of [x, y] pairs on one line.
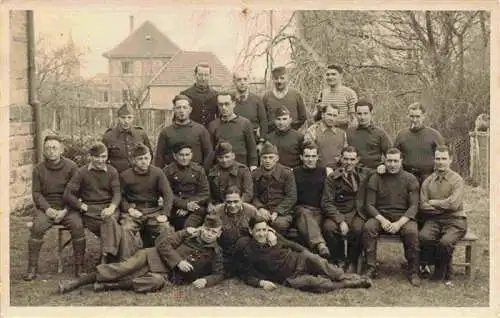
[[301, 211], [371, 226], [330, 227]]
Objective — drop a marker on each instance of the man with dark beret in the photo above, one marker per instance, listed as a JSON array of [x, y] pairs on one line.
[[49, 180], [228, 172], [190, 187], [122, 139], [275, 192], [94, 192], [203, 97], [234, 129], [288, 140], [282, 94], [183, 129], [142, 186], [190, 256]]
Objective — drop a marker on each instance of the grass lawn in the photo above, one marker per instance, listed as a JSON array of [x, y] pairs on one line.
[[391, 289]]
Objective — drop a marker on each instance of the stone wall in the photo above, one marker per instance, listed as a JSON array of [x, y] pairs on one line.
[[21, 124]]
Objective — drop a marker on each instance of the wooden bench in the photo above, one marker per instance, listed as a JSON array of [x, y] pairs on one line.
[[469, 242]]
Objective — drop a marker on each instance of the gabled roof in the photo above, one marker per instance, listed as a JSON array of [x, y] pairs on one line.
[[180, 70], [145, 42]]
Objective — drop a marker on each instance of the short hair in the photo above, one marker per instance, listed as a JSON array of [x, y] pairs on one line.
[[444, 148], [350, 149], [255, 220], [393, 151], [322, 109], [417, 106], [181, 97], [336, 67], [52, 137], [202, 65], [363, 102], [232, 189], [309, 145], [227, 93]]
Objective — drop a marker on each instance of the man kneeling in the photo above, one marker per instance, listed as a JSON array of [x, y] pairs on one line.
[[262, 263], [189, 256]]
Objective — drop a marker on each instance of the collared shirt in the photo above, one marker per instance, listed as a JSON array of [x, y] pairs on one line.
[[447, 188], [242, 96], [220, 179], [91, 166], [330, 141]]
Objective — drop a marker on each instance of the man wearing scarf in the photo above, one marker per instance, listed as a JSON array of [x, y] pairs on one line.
[[203, 97]]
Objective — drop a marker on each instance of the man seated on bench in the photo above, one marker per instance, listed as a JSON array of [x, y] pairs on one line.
[[392, 203], [445, 223], [275, 192], [94, 192], [142, 185], [264, 263], [189, 256], [49, 180]]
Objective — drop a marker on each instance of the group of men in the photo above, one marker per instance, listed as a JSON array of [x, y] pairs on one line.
[[219, 208]]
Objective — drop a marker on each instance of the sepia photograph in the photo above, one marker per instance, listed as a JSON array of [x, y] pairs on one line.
[[231, 157]]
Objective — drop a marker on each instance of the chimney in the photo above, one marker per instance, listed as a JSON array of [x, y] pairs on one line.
[[131, 23]]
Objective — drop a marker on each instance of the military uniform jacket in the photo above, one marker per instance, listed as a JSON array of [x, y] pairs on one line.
[[171, 248], [121, 143], [238, 174], [188, 184], [277, 191], [340, 198]]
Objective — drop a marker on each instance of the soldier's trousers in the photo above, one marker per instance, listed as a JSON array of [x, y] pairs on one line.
[[135, 269], [335, 240], [314, 273], [133, 225], [193, 219], [282, 223], [42, 223], [438, 238], [408, 234], [114, 241], [308, 221]]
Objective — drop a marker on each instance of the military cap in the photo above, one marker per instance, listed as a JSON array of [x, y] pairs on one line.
[[213, 221], [223, 148], [281, 111], [268, 148], [97, 149], [140, 150], [278, 71], [125, 109], [52, 137], [179, 146]]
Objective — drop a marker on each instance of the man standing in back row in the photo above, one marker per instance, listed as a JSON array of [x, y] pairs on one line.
[[282, 94], [203, 97]]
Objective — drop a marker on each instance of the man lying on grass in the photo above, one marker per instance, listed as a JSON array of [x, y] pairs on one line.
[[265, 263], [189, 256]]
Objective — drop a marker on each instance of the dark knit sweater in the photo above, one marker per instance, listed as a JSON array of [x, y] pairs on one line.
[[293, 101], [193, 134], [253, 109], [49, 181], [289, 145], [203, 102], [310, 183], [94, 187], [370, 142], [145, 188], [239, 133], [418, 148], [392, 195]]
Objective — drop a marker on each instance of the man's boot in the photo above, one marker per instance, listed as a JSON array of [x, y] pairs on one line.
[[34, 247], [121, 285], [74, 284], [79, 255], [361, 282]]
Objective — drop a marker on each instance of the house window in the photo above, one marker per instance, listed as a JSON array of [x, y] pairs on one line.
[[125, 95], [105, 97], [126, 67]]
